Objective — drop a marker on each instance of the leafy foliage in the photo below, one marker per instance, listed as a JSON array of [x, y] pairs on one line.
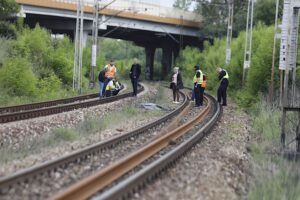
[[213, 56], [215, 13], [265, 11], [6, 45], [182, 4], [17, 78], [8, 7], [7, 30]]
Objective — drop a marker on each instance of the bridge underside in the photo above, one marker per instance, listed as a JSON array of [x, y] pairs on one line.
[[150, 40]]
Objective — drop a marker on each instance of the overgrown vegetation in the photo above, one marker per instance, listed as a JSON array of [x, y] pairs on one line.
[[275, 176], [213, 56], [35, 66]]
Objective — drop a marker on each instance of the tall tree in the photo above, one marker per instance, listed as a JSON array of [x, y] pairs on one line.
[[8, 7], [265, 11], [215, 14], [182, 4]]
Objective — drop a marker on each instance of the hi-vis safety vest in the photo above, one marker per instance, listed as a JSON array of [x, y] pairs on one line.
[[201, 77], [110, 86], [204, 82], [111, 71], [226, 75]]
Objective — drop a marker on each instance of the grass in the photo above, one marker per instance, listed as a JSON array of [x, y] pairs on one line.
[[63, 136], [275, 178]]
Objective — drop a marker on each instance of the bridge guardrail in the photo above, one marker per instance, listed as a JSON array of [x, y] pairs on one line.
[[144, 8]]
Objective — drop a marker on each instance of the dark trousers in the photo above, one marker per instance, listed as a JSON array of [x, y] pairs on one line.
[[134, 83], [110, 93], [222, 91], [175, 92], [198, 95]]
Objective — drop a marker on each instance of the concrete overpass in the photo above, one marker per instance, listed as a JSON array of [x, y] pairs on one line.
[[148, 25]]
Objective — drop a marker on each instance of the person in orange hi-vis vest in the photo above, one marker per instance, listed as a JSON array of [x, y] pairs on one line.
[[204, 82], [111, 70], [110, 73]]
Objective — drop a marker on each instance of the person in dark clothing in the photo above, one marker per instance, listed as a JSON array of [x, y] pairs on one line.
[[134, 75], [222, 90], [101, 78], [176, 84]]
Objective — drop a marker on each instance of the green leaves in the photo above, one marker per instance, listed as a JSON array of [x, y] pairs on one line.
[[17, 78], [213, 56], [8, 7]]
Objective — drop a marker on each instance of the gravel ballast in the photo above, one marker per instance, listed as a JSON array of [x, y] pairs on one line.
[[27, 130], [216, 168]]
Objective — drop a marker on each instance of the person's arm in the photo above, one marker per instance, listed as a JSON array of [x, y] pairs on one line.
[[139, 71]]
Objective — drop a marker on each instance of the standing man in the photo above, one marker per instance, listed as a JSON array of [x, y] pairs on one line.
[[176, 84], [101, 78], [135, 72], [198, 90], [222, 90], [110, 73]]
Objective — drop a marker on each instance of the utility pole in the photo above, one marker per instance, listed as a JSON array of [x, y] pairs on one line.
[[229, 31], [181, 33], [273, 57], [94, 45], [78, 47], [248, 40]]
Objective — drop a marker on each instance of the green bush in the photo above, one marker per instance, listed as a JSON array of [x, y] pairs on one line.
[[213, 56], [7, 30], [17, 78], [35, 45], [6, 45], [61, 60], [49, 86]]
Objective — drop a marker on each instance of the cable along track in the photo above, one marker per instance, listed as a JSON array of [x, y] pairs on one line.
[[127, 175], [24, 178], [28, 111]]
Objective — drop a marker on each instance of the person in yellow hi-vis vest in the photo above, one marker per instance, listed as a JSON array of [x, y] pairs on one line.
[[198, 90], [112, 88]]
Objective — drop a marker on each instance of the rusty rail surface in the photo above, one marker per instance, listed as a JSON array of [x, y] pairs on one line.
[[92, 184], [47, 167], [70, 104]]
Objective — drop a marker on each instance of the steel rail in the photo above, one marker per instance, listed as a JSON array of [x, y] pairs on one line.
[[31, 106], [127, 187], [43, 104], [77, 156], [9, 117], [92, 184]]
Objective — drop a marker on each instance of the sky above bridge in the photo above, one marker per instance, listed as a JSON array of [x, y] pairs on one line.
[[167, 3]]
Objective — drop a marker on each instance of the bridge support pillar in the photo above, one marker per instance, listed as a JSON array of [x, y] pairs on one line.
[[166, 61], [176, 52], [150, 51]]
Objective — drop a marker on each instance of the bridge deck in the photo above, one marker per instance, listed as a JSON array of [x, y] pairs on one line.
[[108, 11]]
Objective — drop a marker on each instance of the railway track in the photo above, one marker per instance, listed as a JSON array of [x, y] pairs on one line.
[[140, 167], [27, 111], [22, 178], [50, 169]]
